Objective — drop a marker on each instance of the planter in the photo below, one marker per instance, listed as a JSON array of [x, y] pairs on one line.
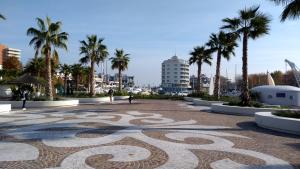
[[188, 99], [93, 100], [41, 104], [121, 97], [200, 102], [277, 123], [237, 110], [5, 108]]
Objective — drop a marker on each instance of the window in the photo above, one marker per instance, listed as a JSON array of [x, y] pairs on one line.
[[269, 96], [282, 95], [291, 97]]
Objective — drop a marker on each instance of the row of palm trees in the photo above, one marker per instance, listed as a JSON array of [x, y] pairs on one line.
[[249, 24], [48, 37], [95, 52]]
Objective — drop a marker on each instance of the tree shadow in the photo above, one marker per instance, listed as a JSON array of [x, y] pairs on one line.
[[252, 126]]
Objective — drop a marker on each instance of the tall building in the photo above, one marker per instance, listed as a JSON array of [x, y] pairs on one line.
[[175, 75], [6, 52]]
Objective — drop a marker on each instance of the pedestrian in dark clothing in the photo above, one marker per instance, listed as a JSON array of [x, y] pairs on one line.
[[130, 98], [110, 93], [24, 97]]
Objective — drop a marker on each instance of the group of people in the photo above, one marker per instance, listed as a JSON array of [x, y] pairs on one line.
[[111, 94], [24, 97]]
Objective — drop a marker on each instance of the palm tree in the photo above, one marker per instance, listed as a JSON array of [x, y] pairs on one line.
[[65, 70], [291, 9], [224, 44], [46, 38], [94, 51], [2, 17], [35, 66], [249, 24], [77, 72], [199, 56], [120, 62]]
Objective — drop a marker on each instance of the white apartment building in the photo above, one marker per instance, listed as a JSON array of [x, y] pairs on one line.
[[11, 52], [175, 75]]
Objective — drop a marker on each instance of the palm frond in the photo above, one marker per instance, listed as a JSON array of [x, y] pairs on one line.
[[2, 17]]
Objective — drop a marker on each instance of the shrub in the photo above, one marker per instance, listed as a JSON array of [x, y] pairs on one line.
[[157, 97], [239, 103], [288, 113], [121, 93], [201, 94], [255, 96]]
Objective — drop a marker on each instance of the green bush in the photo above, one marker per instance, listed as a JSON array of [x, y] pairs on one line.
[[288, 113], [239, 103], [255, 96], [121, 93], [44, 98], [197, 95], [206, 96], [157, 97]]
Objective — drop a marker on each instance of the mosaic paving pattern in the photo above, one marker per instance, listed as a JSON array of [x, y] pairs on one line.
[[87, 139]]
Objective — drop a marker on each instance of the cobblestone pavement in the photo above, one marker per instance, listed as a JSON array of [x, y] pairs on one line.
[[146, 134]]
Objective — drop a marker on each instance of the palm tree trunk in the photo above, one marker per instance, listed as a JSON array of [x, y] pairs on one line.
[[92, 80], [49, 91], [65, 85], [199, 76], [120, 80], [217, 80], [77, 81], [245, 89]]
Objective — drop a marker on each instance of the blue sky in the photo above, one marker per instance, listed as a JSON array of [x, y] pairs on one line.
[[151, 31]]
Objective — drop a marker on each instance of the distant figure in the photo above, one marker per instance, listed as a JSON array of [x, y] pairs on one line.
[[130, 98], [111, 93], [24, 97]]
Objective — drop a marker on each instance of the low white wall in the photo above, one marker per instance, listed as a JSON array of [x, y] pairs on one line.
[[120, 97], [236, 110], [200, 102], [188, 99], [5, 108], [273, 122], [93, 100], [41, 104]]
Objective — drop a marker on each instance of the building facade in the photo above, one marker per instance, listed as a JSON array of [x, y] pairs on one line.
[[175, 75], [127, 81], [204, 82], [6, 52]]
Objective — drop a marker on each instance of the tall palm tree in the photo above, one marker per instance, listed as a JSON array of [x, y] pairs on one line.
[[94, 51], [46, 38], [224, 44], [77, 72], [2, 17], [250, 24], [120, 62], [291, 9], [199, 56], [65, 70]]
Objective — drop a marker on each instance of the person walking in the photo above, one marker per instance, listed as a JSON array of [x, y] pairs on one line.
[[130, 98], [24, 97], [111, 93]]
